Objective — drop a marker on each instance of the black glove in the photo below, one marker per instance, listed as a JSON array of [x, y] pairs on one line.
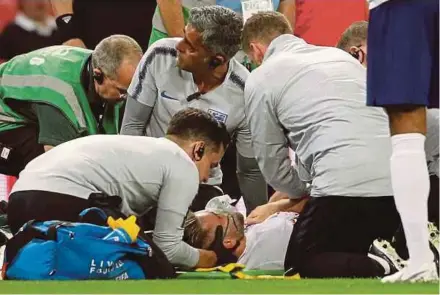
[[224, 255]]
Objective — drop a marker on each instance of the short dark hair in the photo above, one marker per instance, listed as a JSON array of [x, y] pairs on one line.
[[194, 234], [195, 124], [264, 26], [220, 28], [354, 35]]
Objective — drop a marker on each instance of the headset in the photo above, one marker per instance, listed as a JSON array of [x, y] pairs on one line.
[[200, 152], [99, 77], [214, 62], [357, 55]]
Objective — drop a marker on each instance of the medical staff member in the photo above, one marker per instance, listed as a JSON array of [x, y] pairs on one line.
[[170, 17], [403, 78], [59, 93], [354, 41], [198, 71], [143, 172], [316, 106]]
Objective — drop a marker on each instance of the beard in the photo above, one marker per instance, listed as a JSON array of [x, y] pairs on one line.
[[239, 222]]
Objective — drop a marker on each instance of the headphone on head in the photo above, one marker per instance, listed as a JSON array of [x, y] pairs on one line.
[[355, 54], [200, 152], [99, 77], [214, 62]]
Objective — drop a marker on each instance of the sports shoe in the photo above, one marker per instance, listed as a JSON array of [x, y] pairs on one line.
[[425, 273], [434, 242], [383, 249], [5, 235]]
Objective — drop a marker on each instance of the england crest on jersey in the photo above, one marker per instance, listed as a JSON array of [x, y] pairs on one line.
[[219, 116]]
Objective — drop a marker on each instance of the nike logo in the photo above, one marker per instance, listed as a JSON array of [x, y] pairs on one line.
[[164, 95]]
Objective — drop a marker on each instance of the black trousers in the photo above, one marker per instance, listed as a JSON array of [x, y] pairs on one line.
[[43, 206], [24, 147], [333, 234], [229, 168], [433, 200]]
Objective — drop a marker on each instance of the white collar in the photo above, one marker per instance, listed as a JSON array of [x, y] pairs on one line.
[[280, 43], [26, 23]]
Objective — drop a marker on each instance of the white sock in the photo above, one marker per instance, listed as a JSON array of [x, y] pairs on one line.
[[410, 181]]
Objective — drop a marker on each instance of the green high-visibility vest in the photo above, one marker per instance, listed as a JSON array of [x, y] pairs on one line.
[[51, 76]]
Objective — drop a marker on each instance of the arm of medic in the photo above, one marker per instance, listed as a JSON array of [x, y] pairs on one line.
[[178, 187], [176, 194], [250, 179], [68, 26], [172, 16], [279, 202], [271, 150]]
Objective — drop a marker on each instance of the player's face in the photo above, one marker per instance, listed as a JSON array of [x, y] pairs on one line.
[[210, 160], [116, 89], [192, 56], [233, 229]]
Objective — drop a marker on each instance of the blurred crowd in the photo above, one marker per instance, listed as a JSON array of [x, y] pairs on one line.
[[26, 25]]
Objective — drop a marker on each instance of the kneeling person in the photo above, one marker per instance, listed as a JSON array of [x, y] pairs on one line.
[[143, 172], [59, 93]]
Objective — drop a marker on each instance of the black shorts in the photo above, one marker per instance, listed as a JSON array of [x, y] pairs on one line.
[[22, 147], [29, 205], [333, 234], [403, 59]]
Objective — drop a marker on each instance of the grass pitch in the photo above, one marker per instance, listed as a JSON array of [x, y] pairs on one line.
[[217, 286]]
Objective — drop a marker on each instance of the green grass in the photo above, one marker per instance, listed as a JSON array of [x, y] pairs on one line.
[[335, 286]]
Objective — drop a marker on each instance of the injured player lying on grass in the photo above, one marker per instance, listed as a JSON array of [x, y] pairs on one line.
[[263, 246]]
